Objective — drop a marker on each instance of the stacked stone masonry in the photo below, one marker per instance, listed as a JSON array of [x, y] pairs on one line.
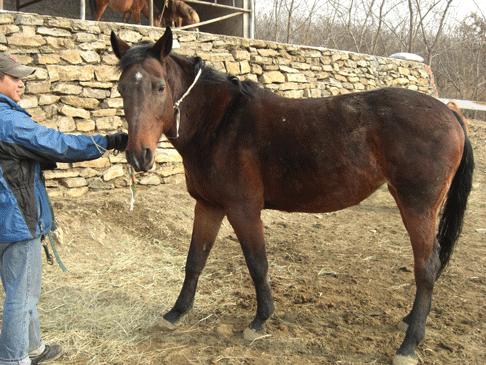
[[74, 87]]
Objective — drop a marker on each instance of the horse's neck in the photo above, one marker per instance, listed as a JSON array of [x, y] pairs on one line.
[[202, 113]]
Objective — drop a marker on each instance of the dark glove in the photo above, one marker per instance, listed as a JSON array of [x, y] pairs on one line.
[[117, 141]]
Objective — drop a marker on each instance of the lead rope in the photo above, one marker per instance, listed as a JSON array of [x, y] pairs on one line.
[[53, 228], [132, 184], [177, 103]]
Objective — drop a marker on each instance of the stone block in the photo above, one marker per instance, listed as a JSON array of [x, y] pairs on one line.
[[60, 174], [67, 89], [74, 112], [85, 125], [70, 73], [151, 179], [99, 163], [28, 102], [99, 184], [23, 40], [74, 182], [79, 102], [76, 192], [232, 68], [66, 124], [272, 77], [295, 77], [109, 123], [89, 172], [114, 172], [53, 32], [106, 73], [71, 56], [245, 67]]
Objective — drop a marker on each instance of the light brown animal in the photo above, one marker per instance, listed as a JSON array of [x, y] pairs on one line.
[[177, 13], [127, 7], [453, 106]]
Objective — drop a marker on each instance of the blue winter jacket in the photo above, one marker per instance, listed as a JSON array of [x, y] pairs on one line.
[[26, 149]]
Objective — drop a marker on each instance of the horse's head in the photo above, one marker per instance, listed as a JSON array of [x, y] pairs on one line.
[[147, 98]]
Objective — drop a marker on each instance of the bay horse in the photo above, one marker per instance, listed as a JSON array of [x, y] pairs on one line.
[[176, 14], [127, 7], [245, 149], [455, 109]]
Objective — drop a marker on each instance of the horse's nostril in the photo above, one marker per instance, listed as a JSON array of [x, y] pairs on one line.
[[147, 155], [146, 158]]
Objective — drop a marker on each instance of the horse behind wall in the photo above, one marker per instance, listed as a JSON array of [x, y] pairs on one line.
[[127, 7], [177, 13]]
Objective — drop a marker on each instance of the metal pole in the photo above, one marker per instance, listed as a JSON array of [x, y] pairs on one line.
[[151, 12], [82, 4]]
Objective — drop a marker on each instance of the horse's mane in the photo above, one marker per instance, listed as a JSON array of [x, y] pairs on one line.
[[142, 50], [210, 75], [136, 54]]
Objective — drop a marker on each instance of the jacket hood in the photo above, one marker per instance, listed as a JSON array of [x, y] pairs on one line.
[[12, 104]]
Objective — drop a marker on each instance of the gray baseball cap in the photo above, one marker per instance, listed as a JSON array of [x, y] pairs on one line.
[[10, 66]]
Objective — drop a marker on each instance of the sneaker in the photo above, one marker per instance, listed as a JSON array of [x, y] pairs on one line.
[[50, 353]]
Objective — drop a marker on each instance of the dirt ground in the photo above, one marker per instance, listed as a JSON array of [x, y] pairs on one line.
[[341, 282]]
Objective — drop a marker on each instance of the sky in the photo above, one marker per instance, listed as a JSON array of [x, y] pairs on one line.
[[465, 7]]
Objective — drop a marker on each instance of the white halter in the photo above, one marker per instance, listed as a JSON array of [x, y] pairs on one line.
[[178, 102]]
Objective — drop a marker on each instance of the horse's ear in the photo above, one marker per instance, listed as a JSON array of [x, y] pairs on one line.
[[119, 46], [164, 45]]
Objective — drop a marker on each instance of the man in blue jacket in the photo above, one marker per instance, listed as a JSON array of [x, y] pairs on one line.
[[26, 149]]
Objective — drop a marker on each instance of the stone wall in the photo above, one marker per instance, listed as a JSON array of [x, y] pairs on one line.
[[74, 87]]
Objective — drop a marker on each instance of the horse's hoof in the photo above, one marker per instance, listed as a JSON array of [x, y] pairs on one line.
[[404, 360], [251, 335], [166, 325], [402, 326]]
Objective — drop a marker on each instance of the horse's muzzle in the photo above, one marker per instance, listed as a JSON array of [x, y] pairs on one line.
[[143, 161]]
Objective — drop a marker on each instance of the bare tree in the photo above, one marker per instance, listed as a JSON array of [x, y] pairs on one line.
[[457, 54], [461, 71]]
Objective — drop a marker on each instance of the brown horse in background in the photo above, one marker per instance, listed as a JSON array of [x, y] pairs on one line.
[[455, 108], [177, 13], [246, 149], [127, 7]]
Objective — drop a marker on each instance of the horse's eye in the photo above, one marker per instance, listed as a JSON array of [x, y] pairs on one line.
[[158, 86]]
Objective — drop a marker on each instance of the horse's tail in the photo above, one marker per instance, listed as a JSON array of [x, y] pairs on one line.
[[92, 5], [451, 221]]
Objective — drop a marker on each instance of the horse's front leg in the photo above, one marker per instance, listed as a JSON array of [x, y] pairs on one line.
[[100, 9], [249, 230], [207, 221]]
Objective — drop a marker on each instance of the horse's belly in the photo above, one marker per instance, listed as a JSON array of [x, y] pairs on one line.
[[120, 5], [326, 194]]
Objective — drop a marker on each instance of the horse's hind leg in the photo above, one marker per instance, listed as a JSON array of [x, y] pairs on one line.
[[421, 229], [207, 221], [249, 230]]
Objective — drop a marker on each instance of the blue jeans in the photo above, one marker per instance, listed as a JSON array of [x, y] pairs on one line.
[[21, 273]]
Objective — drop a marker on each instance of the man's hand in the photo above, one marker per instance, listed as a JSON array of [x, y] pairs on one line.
[[117, 141]]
